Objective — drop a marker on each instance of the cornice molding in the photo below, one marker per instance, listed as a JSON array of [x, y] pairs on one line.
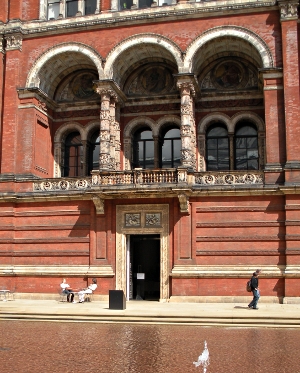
[[154, 14]]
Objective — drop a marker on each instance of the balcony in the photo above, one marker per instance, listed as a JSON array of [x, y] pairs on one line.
[[147, 179]]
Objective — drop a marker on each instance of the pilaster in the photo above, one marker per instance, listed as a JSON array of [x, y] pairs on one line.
[[275, 124], [290, 54]]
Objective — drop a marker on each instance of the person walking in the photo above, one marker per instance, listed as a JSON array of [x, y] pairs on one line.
[[255, 290]]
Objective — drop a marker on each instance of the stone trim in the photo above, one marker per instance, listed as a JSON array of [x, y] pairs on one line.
[[57, 270], [33, 76], [122, 231], [232, 31]]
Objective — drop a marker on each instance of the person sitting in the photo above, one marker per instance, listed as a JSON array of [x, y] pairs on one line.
[[89, 290], [67, 290]]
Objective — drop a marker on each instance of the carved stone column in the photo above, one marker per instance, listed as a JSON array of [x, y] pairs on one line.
[[117, 138], [187, 87], [112, 108], [110, 94]]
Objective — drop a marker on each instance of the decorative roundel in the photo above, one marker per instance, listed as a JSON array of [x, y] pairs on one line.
[[46, 185], [64, 185], [249, 179], [81, 184], [229, 179], [209, 179]]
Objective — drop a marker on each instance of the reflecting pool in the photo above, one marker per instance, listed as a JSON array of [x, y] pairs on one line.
[[35, 347]]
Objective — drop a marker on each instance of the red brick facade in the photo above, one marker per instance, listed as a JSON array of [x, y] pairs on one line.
[[103, 80]]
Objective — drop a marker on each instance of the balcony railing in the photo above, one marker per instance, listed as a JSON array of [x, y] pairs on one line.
[[140, 177]]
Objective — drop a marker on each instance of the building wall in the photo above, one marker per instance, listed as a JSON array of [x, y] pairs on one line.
[[218, 234]]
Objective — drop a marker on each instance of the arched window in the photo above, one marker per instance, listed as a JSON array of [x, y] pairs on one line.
[[94, 150], [73, 155], [171, 149], [143, 149], [246, 147], [217, 148]]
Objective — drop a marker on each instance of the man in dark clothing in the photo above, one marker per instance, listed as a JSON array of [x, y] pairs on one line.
[[255, 290]]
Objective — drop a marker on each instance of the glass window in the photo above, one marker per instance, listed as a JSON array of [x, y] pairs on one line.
[[94, 151], [126, 4], [145, 3], [246, 147], [72, 8], [217, 148], [143, 149], [53, 9], [90, 6], [171, 149], [73, 155]]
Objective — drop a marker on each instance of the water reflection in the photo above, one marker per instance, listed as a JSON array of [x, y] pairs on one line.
[[34, 347]]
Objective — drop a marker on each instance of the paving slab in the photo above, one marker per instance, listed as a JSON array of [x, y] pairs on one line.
[[206, 314]]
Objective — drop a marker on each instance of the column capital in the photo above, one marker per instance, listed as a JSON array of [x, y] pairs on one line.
[[288, 9], [187, 82], [111, 88]]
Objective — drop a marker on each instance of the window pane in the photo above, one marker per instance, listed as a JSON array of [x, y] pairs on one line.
[[72, 8], [177, 152], [240, 143], [125, 4], [217, 132], [73, 155], [53, 10], [252, 142], [149, 161], [246, 131], [212, 144], [145, 3], [90, 6]]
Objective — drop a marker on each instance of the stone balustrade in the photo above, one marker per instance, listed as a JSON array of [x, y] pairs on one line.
[[143, 177]]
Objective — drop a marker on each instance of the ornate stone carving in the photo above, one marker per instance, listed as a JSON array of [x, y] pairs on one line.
[[184, 203], [14, 42], [288, 10], [153, 220], [132, 220], [229, 178], [99, 204]]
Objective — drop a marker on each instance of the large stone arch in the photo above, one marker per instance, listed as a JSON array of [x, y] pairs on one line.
[[33, 79], [230, 31], [158, 41]]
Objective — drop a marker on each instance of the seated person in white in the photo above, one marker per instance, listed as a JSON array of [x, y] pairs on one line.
[[67, 290], [91, 288]]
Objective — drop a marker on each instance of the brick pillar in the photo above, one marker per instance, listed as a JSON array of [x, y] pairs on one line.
[[10, 103], [290, 54], [275, 127], [187, 86], [4, 11]]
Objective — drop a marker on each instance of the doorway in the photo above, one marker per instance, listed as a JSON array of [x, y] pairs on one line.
[[144, 267]]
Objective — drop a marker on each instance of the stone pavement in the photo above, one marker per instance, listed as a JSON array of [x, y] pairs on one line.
[[206, 314]]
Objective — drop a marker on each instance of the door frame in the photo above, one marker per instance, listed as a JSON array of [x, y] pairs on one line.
[[142, 219]]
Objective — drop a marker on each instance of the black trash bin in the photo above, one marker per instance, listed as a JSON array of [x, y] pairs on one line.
[[117, 300]]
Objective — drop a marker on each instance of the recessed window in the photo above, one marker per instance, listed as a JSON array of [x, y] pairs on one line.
[[90, 6], [94, 151], [71, 8], [217, 148], [143, 149], [246, 147], [73, 155], [53, 9], [171, 149]]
